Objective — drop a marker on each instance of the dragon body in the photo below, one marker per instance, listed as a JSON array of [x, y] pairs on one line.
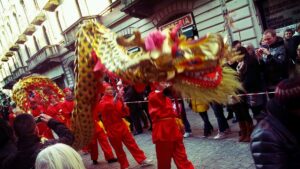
[[194, 67]]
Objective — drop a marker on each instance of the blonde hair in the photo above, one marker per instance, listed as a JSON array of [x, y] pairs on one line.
[[59, 156]]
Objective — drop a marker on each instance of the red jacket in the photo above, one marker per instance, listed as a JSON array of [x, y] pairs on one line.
[[163, 116], [112, 113], [67, 107]]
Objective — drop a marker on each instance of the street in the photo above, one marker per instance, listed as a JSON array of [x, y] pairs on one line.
[[204, 153]]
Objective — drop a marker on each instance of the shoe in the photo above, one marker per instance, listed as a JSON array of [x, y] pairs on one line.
[[187, 134], [207, 132], [220, 135], [113, 160], [146, 162], [95, 162], [227, 131]]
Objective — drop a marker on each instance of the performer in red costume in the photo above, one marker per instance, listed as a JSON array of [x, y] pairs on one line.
[[167, 133], [54, 109], [67, 106], [101, 137], [112, 111], [36, 110]]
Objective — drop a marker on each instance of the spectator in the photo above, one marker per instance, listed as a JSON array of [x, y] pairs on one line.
[[59, 156], [275, 142], [252, 82], [297, 66], [7, 143], [224, 129], [288, 34], [273, 59], [132, 95], [295, 42], [29, 144], [236, 44], [201, 109]]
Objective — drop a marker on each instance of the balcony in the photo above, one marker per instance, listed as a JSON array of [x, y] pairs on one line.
[[9, 54], [19, 73], [38, 20], [14, 47], [4, 58], [8, 82], [51, 5], [70, 33], [44, 59], [30, 30], [21, 39], [139, 8]]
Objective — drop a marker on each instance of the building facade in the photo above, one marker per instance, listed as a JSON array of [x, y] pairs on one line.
[[39, 36]]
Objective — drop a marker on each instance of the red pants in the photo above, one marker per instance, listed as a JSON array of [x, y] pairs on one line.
[[104, 144], [126, 138], [166, 150]]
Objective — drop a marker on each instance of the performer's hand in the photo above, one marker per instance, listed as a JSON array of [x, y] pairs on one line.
[[45, 118]]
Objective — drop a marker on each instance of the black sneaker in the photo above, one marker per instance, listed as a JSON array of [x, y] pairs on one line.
[[113, 160], [95, 162]]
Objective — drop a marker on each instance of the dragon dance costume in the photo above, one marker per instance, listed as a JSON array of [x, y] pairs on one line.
[[194, 67]]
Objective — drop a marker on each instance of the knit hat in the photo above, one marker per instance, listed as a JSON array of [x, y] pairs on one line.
[[287, 93]]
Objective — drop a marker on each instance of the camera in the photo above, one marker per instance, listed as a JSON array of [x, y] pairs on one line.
[[38, 119]]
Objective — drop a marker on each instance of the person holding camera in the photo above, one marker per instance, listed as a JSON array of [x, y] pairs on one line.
[[29, 143], [273, 59]]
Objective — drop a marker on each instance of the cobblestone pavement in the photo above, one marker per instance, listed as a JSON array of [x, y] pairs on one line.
[[204, 153]]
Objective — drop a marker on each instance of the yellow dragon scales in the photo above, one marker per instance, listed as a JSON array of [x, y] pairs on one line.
[[194, 67]]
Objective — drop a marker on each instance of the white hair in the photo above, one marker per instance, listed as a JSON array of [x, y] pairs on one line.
[[59, 156]]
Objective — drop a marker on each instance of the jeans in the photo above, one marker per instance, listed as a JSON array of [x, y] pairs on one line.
[[184, 119], [219, 113]]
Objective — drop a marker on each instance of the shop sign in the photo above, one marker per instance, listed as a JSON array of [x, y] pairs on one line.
[[186, 19], [281, 13]]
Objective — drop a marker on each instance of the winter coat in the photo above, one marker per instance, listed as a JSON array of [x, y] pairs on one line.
[[273, 146], [198, 107], [28, 147], [275, 65], [6, 153]]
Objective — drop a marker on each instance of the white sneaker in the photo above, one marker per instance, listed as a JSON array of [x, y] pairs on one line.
[[147, 162], [187, 134], [220, 135]]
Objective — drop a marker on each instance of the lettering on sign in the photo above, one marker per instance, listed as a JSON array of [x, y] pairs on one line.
[[281, 13], [186, 19]]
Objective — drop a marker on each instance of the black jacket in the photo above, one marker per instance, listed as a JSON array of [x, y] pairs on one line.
[[273, 146], [7, 151], [275, 66], [29, 147]]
